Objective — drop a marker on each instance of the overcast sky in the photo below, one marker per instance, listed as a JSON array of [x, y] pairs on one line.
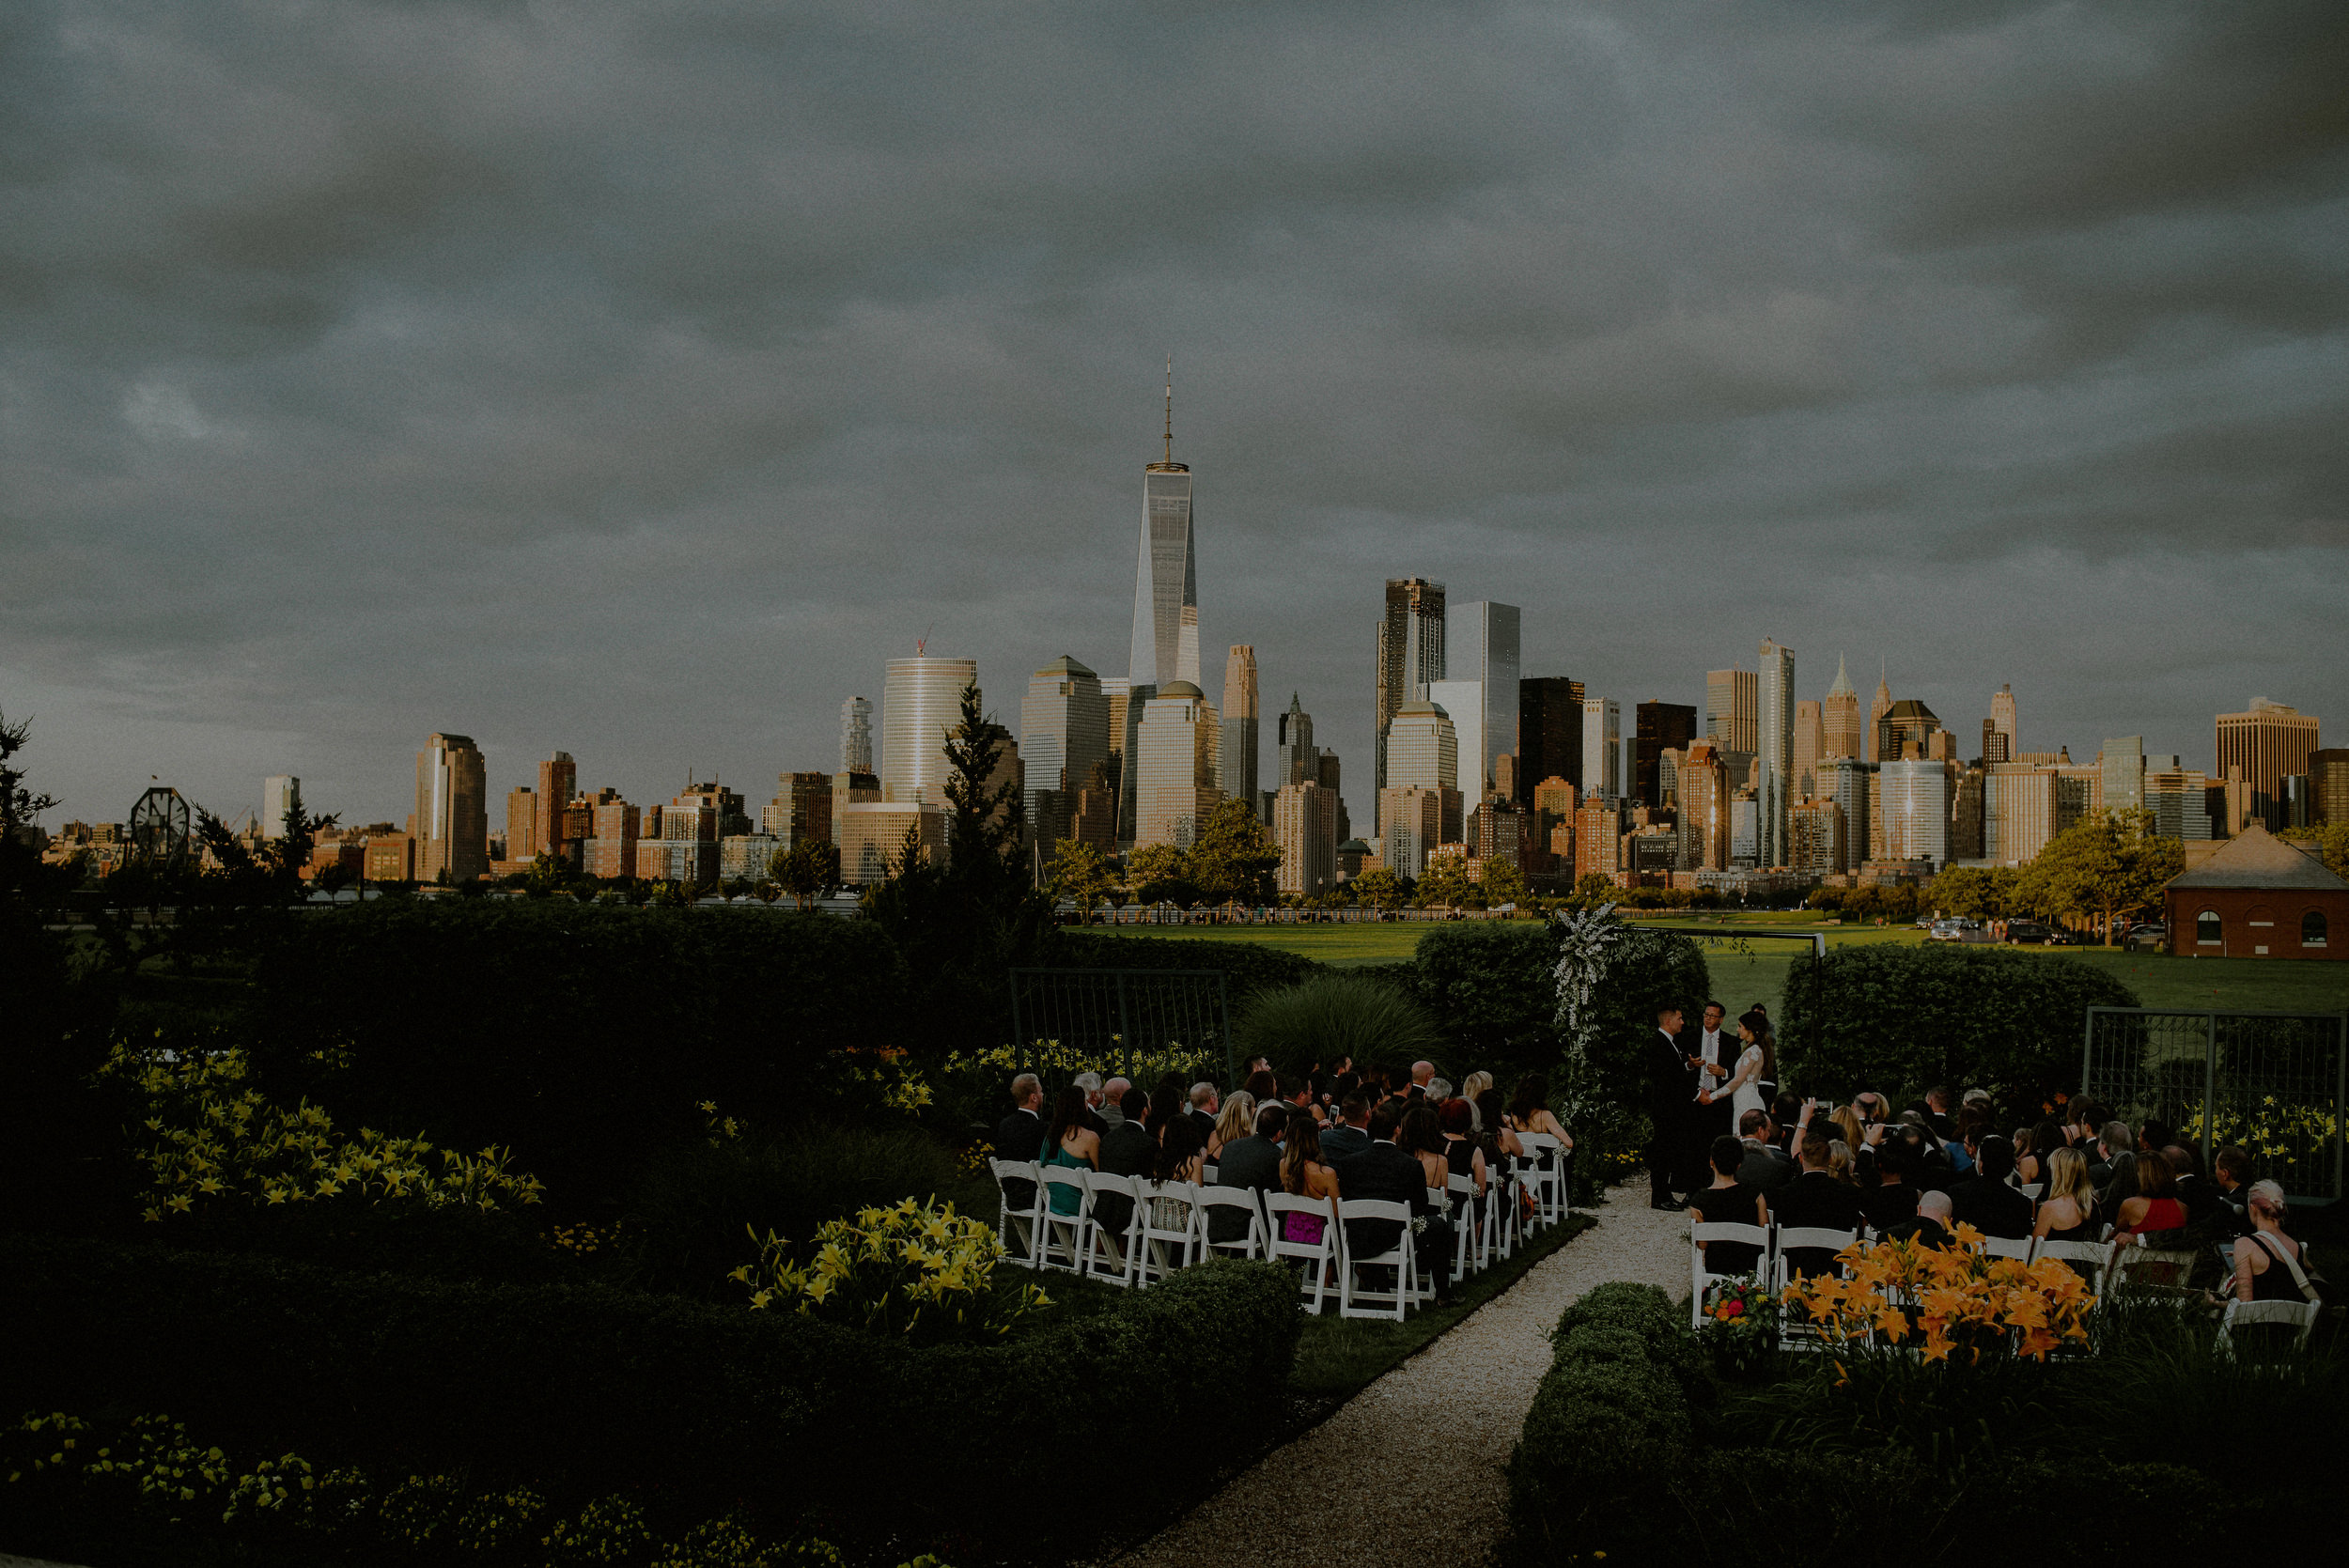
[[634, 379]]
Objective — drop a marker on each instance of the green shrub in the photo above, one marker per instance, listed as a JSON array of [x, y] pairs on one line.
[[1489, 982], [1901, 1020], [579, 1391], [1326, 1017]]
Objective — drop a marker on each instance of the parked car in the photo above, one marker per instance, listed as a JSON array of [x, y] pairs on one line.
[[2075, 938], [2028, 931], [2148, 936]]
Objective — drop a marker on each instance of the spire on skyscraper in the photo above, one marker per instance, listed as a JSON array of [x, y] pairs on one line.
[[1170, 408], [1843, 681]]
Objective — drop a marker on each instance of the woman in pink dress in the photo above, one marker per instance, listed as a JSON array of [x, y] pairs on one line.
[[1304, 1175]]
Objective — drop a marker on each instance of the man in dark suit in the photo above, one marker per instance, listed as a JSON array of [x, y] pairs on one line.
[[1252, 1162], [1928, 1227], [1766, 1166], [1815, 1199], [1672, 1087], [1021, 1137], [1390, 1175], [2208, 1219], [1718, 1048], [1351, 1136], [1129, 1150], [1202, 1108], [1986, 1201]]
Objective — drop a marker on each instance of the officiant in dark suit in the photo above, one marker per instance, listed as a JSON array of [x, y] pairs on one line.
[[1671, 1107], [1717, 1047]]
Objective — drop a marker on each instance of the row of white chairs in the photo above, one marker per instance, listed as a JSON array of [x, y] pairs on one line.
[[2110, 1261], [1168, 1226]]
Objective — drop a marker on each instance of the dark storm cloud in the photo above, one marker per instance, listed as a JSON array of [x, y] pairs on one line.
[[634, 379]]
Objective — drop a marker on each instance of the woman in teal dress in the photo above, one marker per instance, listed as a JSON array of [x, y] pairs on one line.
[[1071, 1142]]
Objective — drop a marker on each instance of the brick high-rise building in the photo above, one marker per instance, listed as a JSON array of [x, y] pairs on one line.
[[1597, 839], [800, 812], [1305, 825], [1815, 838], [1809, 730], [1411, 823], [1878, 705], [558, 784], [612, 850], [2268, 742], [2328, 784], [1704, 814], [452, 822], [522, 817]]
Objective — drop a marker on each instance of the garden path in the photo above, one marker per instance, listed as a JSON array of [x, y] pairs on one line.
[[1420, 1454]]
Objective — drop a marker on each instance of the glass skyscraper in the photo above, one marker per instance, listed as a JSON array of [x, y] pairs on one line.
[[1775, 757], [1166, 580], [1063, 738], [921, 704]]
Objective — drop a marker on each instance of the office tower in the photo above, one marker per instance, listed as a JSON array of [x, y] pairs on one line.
[[611, 851], [1668, 775], [558, 784], [856, 735], [1730, 699], [872, 835], [1996, 745], [2267, 742], [1657, 726], [921, 707], [1602, 748], [1554, 798], [1597, 838], [1878, 705], [1063, 739], [1127, 702], [1095, 819], [1805, 772], [1745, 828], [1904, 730], [2178, 796], [2329, 785], [851, 789], [280, 793], [1242, 732], [1294, 757], [1326, 774], [452, 825], [1841, 734], [1848, 780], [1480, 680], [1704, 815], [1916, 810], [1502, 829], [1506, 776], [521, 823], [1967, 796], [2002, 716], [1815, 838], [2020, 809], [1423, 753], [1305, 825], [1411, 653], [2123, 765], [1411, 823], [1176, 763], [1774, 754], [800, 813], [1550, 726], [1166, 580]]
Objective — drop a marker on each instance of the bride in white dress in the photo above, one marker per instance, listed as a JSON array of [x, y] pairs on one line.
[[1754, 1070]]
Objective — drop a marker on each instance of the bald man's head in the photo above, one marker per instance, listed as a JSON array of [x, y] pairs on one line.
[[1423, 1073]]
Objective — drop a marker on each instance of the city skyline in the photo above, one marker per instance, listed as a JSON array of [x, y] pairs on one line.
[[2006, 345]]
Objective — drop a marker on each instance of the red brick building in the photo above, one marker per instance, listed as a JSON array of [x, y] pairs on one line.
[[2256, 897]]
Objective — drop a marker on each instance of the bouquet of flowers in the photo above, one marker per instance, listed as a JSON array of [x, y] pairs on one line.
[[1740, 1324]]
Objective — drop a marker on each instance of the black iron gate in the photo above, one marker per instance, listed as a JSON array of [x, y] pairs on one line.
[[2273, 1083], [1129, 1024]]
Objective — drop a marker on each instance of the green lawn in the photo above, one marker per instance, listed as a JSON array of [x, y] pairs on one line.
[[1742, 979]]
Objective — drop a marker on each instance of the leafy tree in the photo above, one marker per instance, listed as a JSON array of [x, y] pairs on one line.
[[1443, 885], [1081, 873], [1234, 856], [1160, 873], [1378, 889], [1505, 882], [1594, 888], [1977, 893], [808, 870], [2108, 866], [2331, 841]]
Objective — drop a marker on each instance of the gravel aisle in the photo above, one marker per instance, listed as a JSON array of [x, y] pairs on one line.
[[1430, 1438]]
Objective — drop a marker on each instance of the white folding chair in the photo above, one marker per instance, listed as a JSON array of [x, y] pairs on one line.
[[1795, 1329], [1168, 1245], [1548, 1182], [1468, 1230], [1700, 1275], [1063, 1239], [1114, 1256], [2088, 1256], [1321, 1258], [1402, 1258], [1501, 1199], [2300, 1314], [1232, 1199], [2135, 1262], [2032, 1190], [1016, 1221], [2002, 1246]]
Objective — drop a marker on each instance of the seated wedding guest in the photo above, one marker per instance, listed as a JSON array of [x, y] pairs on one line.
[[1461, 1153], [2112, 1164], [1493, 1135], [1298, 1094], [1986, 1201], [1349, 1133], [2045, 1139], [1930, 1227], [1304, 1175], [1766, 1168], [1422, 1074], [1261, 1085], [1852, 1133], [2067, 1210], [2232, 1169], [2022, 1151], [1343, 1086], [1894, 1199], [1529, 1110], [1473, 1090], [1181, 1158], [1237, 1121], [1166, 1106], [1937, 1111], [1073, 1142], [1840, 1165], [1251, 1161], [2267, 1263], [1790, 1114], [1091, 1084], [1021, 1135], [1815, 1199], [1129, 1150], [1112, 1107], [1203, 1109], [1728, 1202], [1421, 1134], [2204, 1207], [2152, 1211], [2154, 1133], [1390, 1174]]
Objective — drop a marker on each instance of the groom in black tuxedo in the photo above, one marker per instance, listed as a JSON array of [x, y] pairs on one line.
[[1672, 1087]]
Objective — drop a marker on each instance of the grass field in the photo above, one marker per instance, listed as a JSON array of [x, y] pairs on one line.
[[1742, 979]]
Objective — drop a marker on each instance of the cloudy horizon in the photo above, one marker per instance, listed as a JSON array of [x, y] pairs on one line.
[[635, 380]]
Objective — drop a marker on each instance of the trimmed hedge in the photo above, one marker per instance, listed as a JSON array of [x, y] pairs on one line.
[[1901, 1020], [582, 1036], [693, 1408], [1490, 982]]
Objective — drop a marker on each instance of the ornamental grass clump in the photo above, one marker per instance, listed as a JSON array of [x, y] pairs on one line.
[[209, 1140], [917, 1270]]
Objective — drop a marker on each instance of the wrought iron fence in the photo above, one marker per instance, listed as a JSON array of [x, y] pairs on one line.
[[2275, 1084], [1129, 1024]]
